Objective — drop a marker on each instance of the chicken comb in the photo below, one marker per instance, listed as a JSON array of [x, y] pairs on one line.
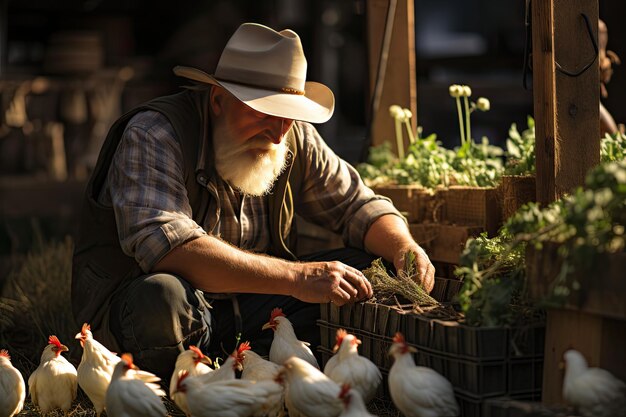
[[243, 347], [277, 312], [341, 333], [128, 358], [345, 388], [53, 340], [197, 351], [5, 354], [85, 329], [399, 338]]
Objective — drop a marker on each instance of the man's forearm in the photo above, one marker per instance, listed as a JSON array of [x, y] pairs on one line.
[[212, 265], [387, 236]]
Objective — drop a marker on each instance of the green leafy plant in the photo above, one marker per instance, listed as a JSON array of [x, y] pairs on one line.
[[521, 150], [585, 225], [613, 147]]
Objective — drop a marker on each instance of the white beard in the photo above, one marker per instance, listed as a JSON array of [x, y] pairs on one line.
[[252, 175]]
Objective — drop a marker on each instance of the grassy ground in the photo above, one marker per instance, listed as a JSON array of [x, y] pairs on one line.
[[35, 303]]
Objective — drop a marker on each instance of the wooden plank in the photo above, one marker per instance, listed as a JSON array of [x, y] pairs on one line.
[[399, 85], [566, 107], [577, 98], [602, 341], [544, 97]]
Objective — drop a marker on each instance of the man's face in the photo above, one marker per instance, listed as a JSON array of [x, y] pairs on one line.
[[250, 150]]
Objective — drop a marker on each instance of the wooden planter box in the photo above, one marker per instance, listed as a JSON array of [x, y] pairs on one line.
[[515, 191], [443, 242], [602, 292], [472, 206], [414, 201]]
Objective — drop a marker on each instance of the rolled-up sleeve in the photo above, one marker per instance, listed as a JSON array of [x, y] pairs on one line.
[[333, 194], [148, 193]]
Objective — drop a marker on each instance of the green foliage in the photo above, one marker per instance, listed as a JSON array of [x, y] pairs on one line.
[[586, 224], [430, 165], [521, 150], [493, 292], [613, 147]]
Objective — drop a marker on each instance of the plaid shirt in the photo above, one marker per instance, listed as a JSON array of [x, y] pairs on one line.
[[146, 189]]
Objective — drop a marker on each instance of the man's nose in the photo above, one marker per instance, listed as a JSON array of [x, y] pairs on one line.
[[279, 127]]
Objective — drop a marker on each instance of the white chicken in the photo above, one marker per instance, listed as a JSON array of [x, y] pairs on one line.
[[133, 392], [227, 370], [594, 391], [195, 363], [285, 343], [53, 384], [418, 391], [95, 368], [231, 398], [12, 387], [308, 392], [353, 403], [348, 367], [255, 368]]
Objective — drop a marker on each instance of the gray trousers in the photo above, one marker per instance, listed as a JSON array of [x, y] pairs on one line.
[[160, 315]]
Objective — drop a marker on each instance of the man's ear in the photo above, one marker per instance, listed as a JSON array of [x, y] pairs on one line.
[[216, 100]]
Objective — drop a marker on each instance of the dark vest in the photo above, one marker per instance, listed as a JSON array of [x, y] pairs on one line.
[[100, 267]]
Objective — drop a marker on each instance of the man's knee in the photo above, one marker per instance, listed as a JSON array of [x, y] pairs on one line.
[[157, 316]]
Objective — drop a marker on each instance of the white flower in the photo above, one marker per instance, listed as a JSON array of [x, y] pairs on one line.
[[483, 104], [396, 112], [455, 90], [467, 91], [407, 114]]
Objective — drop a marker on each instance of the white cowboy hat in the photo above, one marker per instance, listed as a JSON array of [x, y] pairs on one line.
[[266, 70]]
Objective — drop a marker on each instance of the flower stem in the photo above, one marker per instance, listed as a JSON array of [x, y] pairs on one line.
[[409, 131], [460, 112], [468, 136], [399, 139]]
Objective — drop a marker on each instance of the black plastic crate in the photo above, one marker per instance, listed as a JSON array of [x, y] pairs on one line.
[[419, 330], [446, 289], [370, 313], [335, 314], [525, 375], [447, 337], [473, 377], [527, 341], [484, 343]]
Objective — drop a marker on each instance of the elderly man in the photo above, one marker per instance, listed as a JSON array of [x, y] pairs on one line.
[[187, 232]]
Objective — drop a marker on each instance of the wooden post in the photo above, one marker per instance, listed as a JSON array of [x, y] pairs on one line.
[[544, 97], [567, 146], [566, 107], [399, 83]]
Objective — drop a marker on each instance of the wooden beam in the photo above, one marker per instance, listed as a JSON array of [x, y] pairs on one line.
[[566, 100], [577, 98], [544, 97], [399, 83], [566, 107]]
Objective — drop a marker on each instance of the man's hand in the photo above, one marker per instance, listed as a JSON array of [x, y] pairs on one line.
[[425, 269], [323, 282]]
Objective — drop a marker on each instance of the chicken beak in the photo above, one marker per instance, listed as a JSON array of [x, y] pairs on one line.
[[64, 348], [206, 360], [267, 325], [78, 336]]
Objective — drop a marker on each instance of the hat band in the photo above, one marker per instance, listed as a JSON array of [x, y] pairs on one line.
[[287, 90]]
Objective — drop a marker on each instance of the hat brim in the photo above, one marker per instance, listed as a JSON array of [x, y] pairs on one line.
[[315, 106]]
